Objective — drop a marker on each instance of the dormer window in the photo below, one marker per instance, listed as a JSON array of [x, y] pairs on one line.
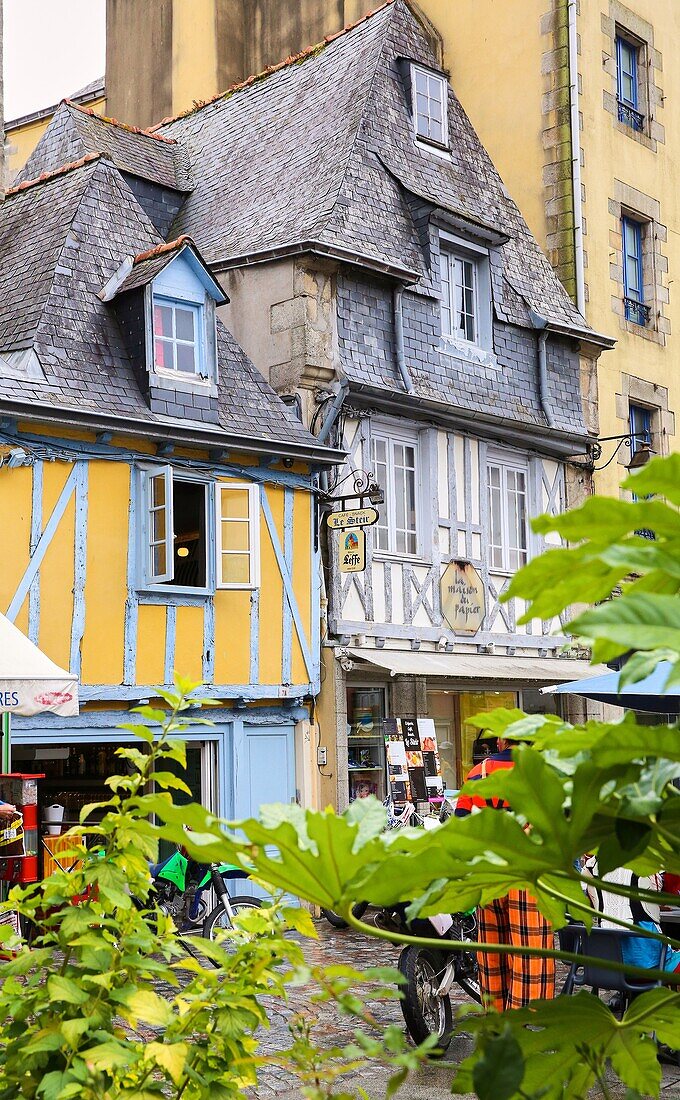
[[429, 91], [176, 336]]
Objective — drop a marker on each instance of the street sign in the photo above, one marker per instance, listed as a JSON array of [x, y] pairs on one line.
[[353, 551], [355, 517]]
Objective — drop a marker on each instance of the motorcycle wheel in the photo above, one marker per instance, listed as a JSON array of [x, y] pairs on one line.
[[217, 918], [424, 1012], [339, 922]]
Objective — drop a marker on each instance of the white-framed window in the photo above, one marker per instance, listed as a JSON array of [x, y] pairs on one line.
[[238, 535], [460, 308], [178, 337], [429, 91], [397, 470], [176, 531], [508, 516]]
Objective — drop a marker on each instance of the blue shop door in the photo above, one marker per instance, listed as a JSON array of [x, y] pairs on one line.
[[264, 772]]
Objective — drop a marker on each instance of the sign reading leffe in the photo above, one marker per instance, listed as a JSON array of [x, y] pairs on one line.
[[462, 595], [353, 551], [355, 517]]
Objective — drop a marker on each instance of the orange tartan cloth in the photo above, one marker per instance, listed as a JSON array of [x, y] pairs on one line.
[[512, 981]]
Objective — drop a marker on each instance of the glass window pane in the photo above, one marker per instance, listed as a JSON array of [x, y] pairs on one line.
[[184, 322], [399, 498], [235, 535], [158, 559], [158, 525], [158, 491], [421, 81], [495, 476], [235, 569], [162, 320], [163, 354], [235, 503], [185, 358]]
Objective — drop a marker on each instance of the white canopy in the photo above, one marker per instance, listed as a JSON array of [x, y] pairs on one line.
[[475, 667], [30, 683]]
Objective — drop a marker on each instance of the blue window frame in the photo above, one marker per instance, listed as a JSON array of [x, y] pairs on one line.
[[640, 422], [633, 287], [627, 83], [177, 532]]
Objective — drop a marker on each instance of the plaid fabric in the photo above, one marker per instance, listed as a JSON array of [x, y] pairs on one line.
[[511, 981]]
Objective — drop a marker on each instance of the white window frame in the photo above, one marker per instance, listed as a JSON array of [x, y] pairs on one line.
[[161, 582], [253, 522], [505, 467], [408, 439], [430, 74], [481, 348], [200, 373], [448, 258]]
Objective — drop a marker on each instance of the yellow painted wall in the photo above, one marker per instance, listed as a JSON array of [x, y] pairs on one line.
[[195, 69], [22, 140], [105, 592]]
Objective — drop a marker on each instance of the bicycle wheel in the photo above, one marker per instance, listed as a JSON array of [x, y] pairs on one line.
[[218, 917], [424, 1012], [339, 922]]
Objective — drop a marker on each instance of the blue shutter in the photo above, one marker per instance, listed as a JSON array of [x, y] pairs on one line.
[[627, 72], [640, 427]]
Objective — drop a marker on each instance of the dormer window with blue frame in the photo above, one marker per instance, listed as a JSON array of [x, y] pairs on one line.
[[628, 83], [178, 336]]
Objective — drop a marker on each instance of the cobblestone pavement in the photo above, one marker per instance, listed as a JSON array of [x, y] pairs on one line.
[[331, 1029]]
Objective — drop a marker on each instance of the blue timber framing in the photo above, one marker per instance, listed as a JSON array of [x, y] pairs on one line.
[[311, 664], [36, 531], [287, 615], [170, 639], [79, 567], [42, 546]]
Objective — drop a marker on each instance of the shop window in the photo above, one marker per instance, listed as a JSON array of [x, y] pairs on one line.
[[508, 528], [238, 536], [366, 741], [175, 531], [429, 105], [628, 82], [396, 468]]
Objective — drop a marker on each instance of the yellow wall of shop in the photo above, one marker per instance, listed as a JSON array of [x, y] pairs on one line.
[[22, 140], [105, 596]]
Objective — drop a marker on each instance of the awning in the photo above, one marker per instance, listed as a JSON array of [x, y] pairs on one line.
[[649, 694], [477, 666], [30, 683]]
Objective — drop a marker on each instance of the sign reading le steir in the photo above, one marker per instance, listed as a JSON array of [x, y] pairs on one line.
[[462, 594], [355, 517]]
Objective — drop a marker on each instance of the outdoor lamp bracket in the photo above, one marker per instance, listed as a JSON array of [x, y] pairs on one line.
[[639, 457], [364, 487]]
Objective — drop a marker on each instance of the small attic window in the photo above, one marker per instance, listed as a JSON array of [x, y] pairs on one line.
[[177, 328], [429, 106]]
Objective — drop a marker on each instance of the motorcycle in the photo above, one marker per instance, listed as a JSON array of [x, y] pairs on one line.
[[179, 885], [431, 974]]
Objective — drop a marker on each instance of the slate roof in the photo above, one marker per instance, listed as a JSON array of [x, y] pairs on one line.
[[61, 240], [76, 131], [337, 127]]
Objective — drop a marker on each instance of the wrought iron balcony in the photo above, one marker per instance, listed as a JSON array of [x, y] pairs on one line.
[[637, 312], [630, 117]]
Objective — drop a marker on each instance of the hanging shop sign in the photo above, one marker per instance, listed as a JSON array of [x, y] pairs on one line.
[[462, 597], [355, 517], [353, 551]]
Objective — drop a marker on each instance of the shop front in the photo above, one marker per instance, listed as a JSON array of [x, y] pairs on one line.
[[390, 691]]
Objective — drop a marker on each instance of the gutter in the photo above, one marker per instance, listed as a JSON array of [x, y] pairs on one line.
[[575, 129], [165, 432], [332, 252], [398, 298], [558, 442], [334, 411]]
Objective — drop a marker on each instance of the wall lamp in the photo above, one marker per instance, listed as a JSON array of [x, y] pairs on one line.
[[640, 447]]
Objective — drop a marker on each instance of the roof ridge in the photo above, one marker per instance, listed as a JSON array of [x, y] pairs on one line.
[[167, 246], [45, 177], [115, 122], [292, 59]]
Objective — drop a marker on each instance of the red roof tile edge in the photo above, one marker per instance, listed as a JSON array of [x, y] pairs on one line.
[[293, 59], [114, 122], [168, 246], [61, 171]]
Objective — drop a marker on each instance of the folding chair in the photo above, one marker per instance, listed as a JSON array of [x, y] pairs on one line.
[[607, 944]]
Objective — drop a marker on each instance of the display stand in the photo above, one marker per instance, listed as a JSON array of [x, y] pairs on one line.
[[413, 764]]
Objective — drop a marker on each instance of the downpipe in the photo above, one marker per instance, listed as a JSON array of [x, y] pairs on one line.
[[575, 128], [398, 299], [540, 326]]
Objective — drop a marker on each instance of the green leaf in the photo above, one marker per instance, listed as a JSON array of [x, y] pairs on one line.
[[170, 1056], [149, 1007], [660, 477], [499, 1072], [61, 988]]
